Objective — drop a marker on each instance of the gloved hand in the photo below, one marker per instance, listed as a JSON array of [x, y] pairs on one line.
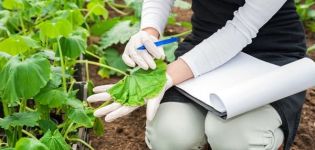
[[116, 110], [143, 58]]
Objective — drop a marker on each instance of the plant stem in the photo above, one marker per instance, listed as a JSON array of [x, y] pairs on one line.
[[22, 105], [5, 109], [102, 65], [63, 69], [180, 34], [119, 5], [68, 130], [93, 55], [22, 24], [28, 134], [87, 71], [134, 70], [116, 9], [81, 141], [71, 86]]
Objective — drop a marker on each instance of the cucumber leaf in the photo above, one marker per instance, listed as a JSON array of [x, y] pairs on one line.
[[47, 125], [113, 59], [23, 79], [140, 85], [4, 58], [20, 119], [98, 127], [169, 50], [82, 116], [30, 144], [103, 72], [97, 7], [55, 141], [55, 28], [73, 46], [13, 4], [120, 33], [52, 98], [17, 44]]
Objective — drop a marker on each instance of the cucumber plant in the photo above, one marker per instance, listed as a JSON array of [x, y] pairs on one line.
[[40, 43]]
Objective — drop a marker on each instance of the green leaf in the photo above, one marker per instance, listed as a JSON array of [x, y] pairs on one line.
[[55, 141], [99, 28], [97, 7], [53, 98], [114, 59], [90, 86], [23, 79], [120, 33], [169, 50], [55, 28], [47, 125], [134, 89], [72, 46], [98, 127], [82, 116], [136, 5], [13, 4], [103, 72], [182, 4], [4, 16], [30, 144], [74, 16], [4, 58], [17, 44], [20, 119]]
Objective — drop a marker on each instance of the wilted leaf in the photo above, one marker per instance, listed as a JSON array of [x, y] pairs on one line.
[[20, 119], [17, 44], [120, 33], [140, 85], [55, 141], [30, 144], [17, 78], [72, 46]]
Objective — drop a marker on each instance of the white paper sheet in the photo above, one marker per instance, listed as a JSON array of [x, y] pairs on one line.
[[245, 83], [266, 88]]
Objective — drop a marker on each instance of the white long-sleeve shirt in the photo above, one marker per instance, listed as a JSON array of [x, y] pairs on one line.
[[226, 42]]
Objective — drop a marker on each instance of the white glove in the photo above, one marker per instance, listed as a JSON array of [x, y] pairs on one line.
[[116, 110], [143, 58]]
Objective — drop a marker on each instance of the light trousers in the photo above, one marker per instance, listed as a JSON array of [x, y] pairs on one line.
[[181, 126]]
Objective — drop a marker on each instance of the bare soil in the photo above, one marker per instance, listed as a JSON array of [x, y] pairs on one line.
[[127, 133]]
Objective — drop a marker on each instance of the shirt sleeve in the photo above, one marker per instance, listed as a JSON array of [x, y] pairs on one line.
[[233, 37], [155, 14]]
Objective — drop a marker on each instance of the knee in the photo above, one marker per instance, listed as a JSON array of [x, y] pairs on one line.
[[175, 128], [228, 135]]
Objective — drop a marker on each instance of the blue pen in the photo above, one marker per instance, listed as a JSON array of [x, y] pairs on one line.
[[161, 42]]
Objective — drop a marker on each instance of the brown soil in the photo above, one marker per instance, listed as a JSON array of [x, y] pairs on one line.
[[127, 133]]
